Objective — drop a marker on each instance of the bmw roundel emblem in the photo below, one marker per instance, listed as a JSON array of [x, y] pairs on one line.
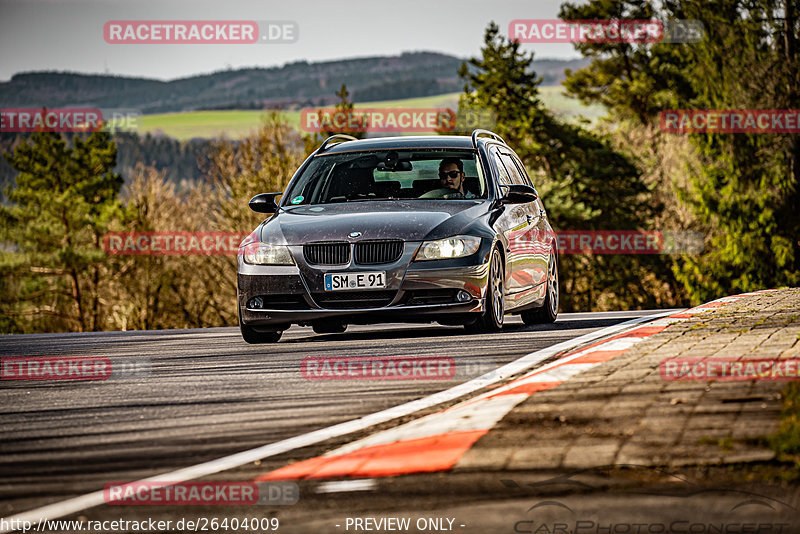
[[354, 235]]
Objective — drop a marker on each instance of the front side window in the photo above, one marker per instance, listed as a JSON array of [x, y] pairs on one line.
[[389, 175]]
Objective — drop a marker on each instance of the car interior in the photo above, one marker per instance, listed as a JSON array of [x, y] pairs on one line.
[[391, 177]]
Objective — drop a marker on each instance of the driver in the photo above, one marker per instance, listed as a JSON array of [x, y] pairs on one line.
[[451, 178]]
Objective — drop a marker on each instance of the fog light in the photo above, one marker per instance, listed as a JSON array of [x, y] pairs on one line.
[[463, 296], [256, 302]]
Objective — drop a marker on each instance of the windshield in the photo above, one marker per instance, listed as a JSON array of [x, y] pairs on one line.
[[389, 175]]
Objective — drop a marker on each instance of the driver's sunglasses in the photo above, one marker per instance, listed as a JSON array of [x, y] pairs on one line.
[[451, 174]]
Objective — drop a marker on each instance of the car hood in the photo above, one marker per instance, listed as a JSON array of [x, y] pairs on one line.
[[406, 220]]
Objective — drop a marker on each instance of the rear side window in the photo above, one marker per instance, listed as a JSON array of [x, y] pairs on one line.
[[504, 176], [513, 170], [521, 168]]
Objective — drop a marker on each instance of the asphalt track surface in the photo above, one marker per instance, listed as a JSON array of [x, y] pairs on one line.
[[197, 395]]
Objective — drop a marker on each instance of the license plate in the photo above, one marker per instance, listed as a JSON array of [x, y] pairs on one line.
[[343, 281]]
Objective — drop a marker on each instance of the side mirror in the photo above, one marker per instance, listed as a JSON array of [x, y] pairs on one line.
[[519, 194], [264, 203]]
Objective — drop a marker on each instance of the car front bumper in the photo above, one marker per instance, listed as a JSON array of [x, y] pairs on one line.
[[415, 291]]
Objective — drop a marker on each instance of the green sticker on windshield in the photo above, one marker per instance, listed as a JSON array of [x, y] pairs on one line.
[[297, 200]]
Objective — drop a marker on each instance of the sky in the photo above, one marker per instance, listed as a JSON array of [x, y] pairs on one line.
[[67, 35]]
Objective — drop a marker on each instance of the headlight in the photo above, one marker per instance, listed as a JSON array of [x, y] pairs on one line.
[[452, 247], [266, 254]]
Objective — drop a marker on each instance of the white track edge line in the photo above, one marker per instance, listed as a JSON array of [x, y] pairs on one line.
[[90, 500]]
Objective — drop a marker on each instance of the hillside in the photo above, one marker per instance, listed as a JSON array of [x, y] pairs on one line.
[[236, 124], [291, 86]]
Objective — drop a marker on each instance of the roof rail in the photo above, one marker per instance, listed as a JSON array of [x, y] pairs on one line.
[[339, 137], [479, 132]]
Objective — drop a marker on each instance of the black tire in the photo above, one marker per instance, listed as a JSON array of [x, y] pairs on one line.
[[255, 338], [492, 318], [549, 310], [329, 327]]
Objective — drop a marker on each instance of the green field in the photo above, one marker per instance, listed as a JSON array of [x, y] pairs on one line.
[[235, 124]]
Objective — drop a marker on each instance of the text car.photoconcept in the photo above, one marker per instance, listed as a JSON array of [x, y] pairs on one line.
[[400, 229]]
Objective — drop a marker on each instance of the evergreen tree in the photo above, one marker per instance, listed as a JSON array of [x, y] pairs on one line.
[[59, 208]]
